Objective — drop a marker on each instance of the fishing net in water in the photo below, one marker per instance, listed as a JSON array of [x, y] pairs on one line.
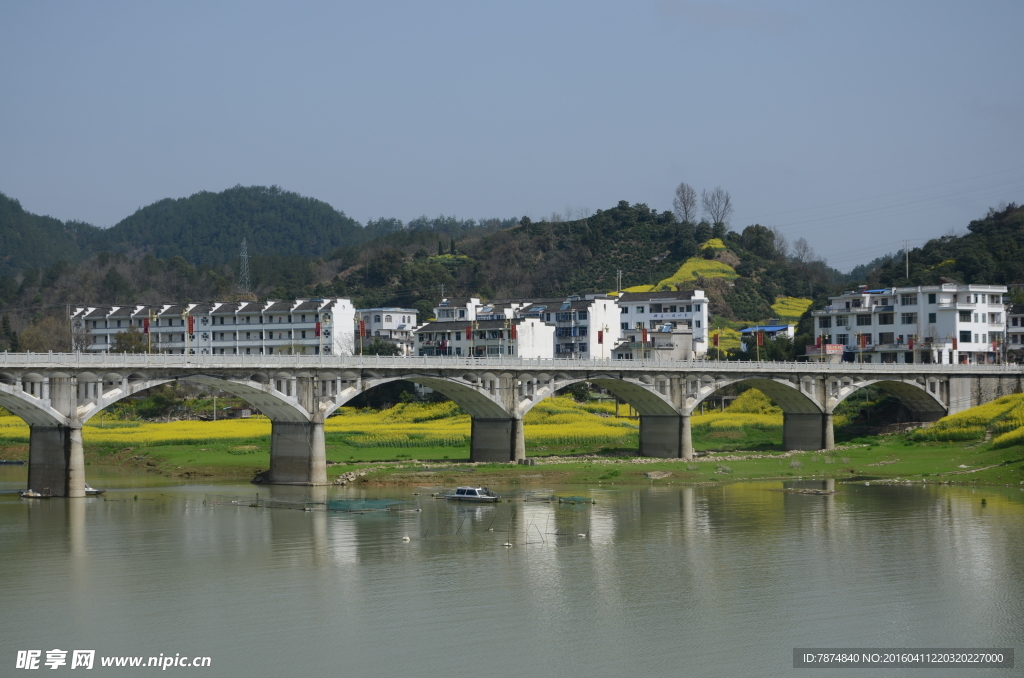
[[362, 505]]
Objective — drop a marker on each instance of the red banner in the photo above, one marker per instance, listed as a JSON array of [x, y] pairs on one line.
[[760, 338], [863, 341], [818, 342], [191, 325], [514, 334], [643, 337], [714, 341], [600, 336], [469, 332], [910, 343], [317, 331], [954, 343], [145, 326], [362, 328]]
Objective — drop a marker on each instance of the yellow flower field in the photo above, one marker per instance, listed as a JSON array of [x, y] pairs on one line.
[[999, 415], [695, 267], [790, 308]]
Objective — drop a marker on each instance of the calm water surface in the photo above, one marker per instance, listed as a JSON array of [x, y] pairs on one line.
[[668, 581]]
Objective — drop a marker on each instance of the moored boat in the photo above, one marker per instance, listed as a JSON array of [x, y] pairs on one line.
[[92, 491], [473, 494], [32, 494]]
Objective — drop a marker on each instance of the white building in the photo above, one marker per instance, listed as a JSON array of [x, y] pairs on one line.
[[456, 308], [949, 323], [512, 337], [667, 342], [652, 310], [585, 326], [395, 325], [301, 326], [1015, 328]]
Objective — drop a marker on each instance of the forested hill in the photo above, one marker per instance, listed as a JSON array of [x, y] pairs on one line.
[[991, 252], [208, 228], [31, 241]]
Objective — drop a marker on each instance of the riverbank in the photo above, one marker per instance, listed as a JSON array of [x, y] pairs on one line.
[[883, 459]]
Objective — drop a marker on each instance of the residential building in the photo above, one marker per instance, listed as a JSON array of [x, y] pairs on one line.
[[772, 329], [511, 337], [300, 326], [456, 308], [651, 310], [394, 325], [1015, 328], [666, 342], [585, 326], [950, 323]]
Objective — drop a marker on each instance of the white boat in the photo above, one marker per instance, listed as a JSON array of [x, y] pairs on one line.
[[32, 494], [92, 491], [474, 494]]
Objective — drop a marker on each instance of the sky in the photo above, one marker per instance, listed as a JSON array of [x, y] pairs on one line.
[[854, 125]]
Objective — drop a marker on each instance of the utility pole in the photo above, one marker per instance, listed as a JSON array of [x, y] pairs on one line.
[[906, 251], [243, 270], [618, 282]]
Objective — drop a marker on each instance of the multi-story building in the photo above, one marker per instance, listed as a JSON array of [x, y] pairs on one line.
[[585, 326], [1015, 327], [651, 310], [395, 325], [667, 342], [456, 308], [302, 326], [513, 337], [949, 323]]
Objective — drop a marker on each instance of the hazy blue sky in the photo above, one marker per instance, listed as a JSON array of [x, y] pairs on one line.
[[855, 125]]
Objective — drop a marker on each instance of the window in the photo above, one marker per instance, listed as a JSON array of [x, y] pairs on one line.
[[965, 316], [908, 300], [886, 318], [625, 309], [458, 336], [908, 318], [303, 334], [931, 298], [625, 326], [639, 309], [965, 336], [995, 317], [842, 321], [462, 313], [863, 320], [376, 318], [984, 339], [1015, 320], [583, 348], [387, 318], [975, 317], [582, 315], [886, 338], [888, 357], [825, 321], [843, 339], [866, 338], [932, 318], [698, 324]]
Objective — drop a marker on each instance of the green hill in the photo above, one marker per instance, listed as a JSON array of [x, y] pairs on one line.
[[31, 241]]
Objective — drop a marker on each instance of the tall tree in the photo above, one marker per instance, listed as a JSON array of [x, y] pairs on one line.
[[685, 203], [717, 205]]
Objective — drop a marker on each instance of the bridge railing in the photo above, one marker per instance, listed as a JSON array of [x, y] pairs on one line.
[[119, 361]]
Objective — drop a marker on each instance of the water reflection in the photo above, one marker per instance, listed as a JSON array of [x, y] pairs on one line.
[[713, 579]]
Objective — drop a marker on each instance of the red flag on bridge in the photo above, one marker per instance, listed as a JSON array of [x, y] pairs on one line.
[[714, 341], [760, 338], [362, 328], [145, 326], [191, 325], [643, 336], [600, 336], [514, 334], [317, 330], [910, 343]]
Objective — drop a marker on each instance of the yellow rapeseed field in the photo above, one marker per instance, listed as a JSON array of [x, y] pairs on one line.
[[714, 243], [972, 423], [695, 267], [790, 308]]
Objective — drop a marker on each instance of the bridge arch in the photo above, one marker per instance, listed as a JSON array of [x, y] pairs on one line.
[[794, 396], [923, 398], [477, 402]]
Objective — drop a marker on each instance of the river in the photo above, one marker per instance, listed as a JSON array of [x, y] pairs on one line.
[[648, 581]]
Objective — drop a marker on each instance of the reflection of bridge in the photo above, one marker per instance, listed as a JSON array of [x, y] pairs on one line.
[[57, 393]]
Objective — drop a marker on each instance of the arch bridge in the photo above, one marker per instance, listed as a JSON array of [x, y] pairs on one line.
[[57, 393]]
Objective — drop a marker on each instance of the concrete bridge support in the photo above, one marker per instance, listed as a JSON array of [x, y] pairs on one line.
[[56, 463], [807, 431], [662, 436], [497, 440], [298, 455]]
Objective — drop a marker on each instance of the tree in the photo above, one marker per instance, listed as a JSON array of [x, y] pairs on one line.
[[8, 335], [717, 205], [81, 339], [685, 203], [130, 341], [759, 240], [49, 334], [380, 347]]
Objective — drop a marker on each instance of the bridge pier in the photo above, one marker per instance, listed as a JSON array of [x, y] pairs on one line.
[[56, 460], [686, 438], [298, 454], [807, 431], [662, 436], [497, 440]]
